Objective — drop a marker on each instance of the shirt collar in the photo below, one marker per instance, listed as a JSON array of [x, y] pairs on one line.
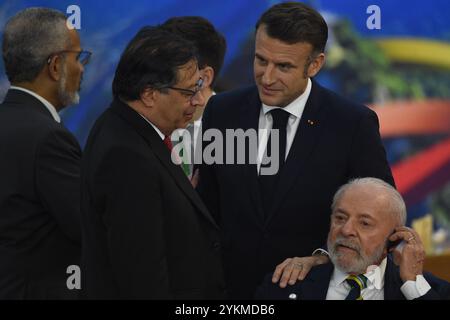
[[374, 275], [45, 102], [297, 106], [154, 127]]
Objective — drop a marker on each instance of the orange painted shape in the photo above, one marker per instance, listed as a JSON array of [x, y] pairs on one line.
[[402, 118]]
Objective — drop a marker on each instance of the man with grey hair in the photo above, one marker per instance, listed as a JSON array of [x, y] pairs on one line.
[[40, 164], [373, 255]]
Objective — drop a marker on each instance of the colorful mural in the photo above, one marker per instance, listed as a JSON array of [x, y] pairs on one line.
[[401, 70]]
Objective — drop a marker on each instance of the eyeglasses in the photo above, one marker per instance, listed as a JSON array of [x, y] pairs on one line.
[[189, 93], [83, 56]]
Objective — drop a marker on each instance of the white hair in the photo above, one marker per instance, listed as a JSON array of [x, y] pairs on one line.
[[396, 204]]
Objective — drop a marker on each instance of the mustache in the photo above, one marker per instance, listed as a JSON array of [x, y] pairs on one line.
[[341, 241]]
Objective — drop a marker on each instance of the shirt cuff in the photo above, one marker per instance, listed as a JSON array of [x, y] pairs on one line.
[[415, 289], [320, 252]]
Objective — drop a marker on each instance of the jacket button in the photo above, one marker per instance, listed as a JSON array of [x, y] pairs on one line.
[[216, 245]]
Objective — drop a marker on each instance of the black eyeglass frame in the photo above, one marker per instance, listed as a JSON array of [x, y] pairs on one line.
[[191, 93]]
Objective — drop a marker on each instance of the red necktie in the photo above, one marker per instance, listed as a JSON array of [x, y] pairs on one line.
[[168, 143]]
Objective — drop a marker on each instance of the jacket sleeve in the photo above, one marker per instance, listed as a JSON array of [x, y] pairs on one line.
[[134, 223], [440, 289], [368, 157], [57, 180]]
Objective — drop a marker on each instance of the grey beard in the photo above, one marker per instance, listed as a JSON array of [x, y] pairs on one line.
[[67, 98], [360, 263]]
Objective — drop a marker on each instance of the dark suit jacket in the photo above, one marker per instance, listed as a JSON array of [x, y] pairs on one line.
[[39, 201], [343, 143], [146, 232], [315, 286]]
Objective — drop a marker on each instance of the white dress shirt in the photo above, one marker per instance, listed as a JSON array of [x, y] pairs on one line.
[[154, 127], [338, 288], [295, 110], [45, 102]]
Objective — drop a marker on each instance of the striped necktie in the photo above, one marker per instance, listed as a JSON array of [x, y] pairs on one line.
[[178, 157], [357, 283], [188, 151]]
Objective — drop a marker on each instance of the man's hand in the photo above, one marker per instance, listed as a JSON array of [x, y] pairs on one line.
[[412, 256], [293, 269]]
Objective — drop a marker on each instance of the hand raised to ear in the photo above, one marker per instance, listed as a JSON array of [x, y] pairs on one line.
[[412, 256]]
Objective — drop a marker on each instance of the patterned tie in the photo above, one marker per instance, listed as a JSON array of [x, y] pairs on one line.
[[185, 155], [188, 151], [357, 283], [168, 142], [184, 165]]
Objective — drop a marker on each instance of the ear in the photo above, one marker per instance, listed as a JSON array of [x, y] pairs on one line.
[[207, 76], [148, 96], [54, 67], [316, 65]]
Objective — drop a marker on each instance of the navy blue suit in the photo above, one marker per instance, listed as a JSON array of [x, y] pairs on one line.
[[315, 286], [336, 140]]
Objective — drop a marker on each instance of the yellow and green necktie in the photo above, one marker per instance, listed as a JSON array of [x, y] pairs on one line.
[[357, 283]]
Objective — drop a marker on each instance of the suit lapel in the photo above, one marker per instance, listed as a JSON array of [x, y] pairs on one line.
[[315, 286], [159, 148], [392, 282], [305, 139], [250, 120]]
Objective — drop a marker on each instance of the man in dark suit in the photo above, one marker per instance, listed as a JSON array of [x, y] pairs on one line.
[[324, 141], [211, 46], [40, 233], [366, 224], [146, 232]]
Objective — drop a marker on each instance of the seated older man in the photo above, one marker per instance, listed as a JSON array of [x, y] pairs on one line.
[[373, 255]]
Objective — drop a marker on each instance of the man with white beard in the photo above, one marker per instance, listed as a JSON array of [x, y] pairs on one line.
[[40, 233], [373, 255]]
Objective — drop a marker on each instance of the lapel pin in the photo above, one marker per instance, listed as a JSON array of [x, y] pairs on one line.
[[310, 122]]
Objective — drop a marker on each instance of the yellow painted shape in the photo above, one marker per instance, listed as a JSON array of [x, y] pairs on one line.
[[417, 51]]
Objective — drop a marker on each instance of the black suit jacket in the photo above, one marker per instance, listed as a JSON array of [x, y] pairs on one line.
[[39, 201], [315, 286], [336, 140], [146, 232]]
